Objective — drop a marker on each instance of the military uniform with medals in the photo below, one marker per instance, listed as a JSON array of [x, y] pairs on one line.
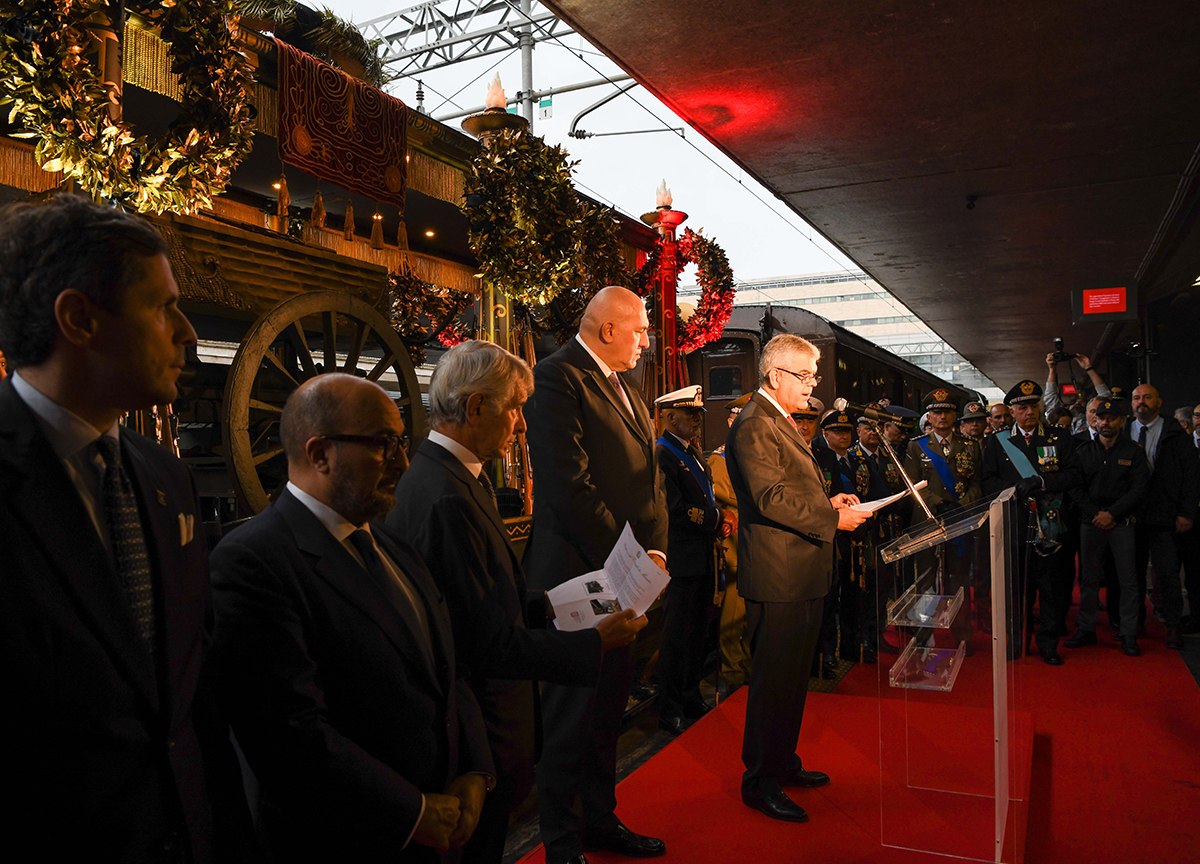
[[870, 484], [735, 649], [1044, 564], [841, 603]]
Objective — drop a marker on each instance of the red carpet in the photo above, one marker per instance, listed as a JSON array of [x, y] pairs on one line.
[[1115, 771]]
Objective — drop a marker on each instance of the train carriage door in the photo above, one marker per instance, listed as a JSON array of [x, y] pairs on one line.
[[728, 368]]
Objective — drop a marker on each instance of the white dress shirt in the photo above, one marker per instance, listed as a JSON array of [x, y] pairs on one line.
[[771, 399], [469, 460], [74, 442]]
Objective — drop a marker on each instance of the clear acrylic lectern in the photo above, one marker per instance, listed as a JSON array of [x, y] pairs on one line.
[[955, 745]]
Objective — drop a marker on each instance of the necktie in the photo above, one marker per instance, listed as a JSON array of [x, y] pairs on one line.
[[616, 383], [128, 541], [1142, 437], [486, 482], [792, 420], [403, 595]]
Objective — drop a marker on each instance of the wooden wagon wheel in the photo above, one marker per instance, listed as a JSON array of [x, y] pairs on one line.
[[275, 358]]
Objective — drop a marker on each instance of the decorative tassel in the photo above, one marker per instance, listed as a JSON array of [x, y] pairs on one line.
[[377, 231], [283, 201], [318, 211], [402, 235], [348, 231]]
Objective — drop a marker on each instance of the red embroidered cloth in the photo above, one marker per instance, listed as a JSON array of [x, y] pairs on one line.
[[339, 129]]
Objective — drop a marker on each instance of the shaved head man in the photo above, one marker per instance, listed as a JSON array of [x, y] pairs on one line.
[[591, 441]]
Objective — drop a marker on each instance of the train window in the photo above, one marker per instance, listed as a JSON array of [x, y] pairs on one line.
[[724, 382]]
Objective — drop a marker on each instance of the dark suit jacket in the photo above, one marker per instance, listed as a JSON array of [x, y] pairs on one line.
[[692, 535], [786, 524], [108, 758], [594, 469], [1175, 481], [340, 715], [965, 461], [448, 518]]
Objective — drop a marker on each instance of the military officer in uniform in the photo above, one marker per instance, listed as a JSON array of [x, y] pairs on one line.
[[1040, 461], [868, 459], [949, 462], [735, 651], [841, 603], [696, 523], [974, 421]]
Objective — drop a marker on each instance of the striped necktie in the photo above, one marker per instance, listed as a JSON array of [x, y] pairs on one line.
[[127, 539], [486, 482]]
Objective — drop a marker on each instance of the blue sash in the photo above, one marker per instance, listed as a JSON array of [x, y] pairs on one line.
[[1018, 458], [940, 466], [689, 462]]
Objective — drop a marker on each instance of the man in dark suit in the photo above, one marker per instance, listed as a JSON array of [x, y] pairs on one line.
[[786, 527], [1040, 461], [116, 747], [591, 441], [445, 508], [336, 651], [696, 524], [1170, 506]]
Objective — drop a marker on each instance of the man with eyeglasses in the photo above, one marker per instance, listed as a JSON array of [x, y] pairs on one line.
[[786, 529], [336, 650]]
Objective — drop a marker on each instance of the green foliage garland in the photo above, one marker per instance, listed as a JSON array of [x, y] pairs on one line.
[[524, 216], [59, 99], [422, 312], [715, 277]]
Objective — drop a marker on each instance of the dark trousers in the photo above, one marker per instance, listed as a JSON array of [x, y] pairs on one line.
[[1041, 581], [1093, 544], [840, 607], [1189, 555], [1158, 544], [577, 773], [681, 654], [783, 637], [1067, 573]]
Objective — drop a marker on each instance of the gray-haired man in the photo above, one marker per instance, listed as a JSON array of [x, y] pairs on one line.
[[445, 507]]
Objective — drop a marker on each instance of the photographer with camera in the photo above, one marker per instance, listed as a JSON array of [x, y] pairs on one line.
[[1051, 396]]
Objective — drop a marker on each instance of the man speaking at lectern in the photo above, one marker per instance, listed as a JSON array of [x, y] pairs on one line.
[[785, 532]]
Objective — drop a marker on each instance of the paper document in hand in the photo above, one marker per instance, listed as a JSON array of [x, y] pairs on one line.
[[630, 580], [872, 506]]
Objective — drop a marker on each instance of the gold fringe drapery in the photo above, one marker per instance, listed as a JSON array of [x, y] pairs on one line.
[[433, 178], [439, 272], [19, 169]]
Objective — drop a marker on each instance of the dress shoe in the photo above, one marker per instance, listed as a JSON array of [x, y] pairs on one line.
[[578, 859], [1050, 657], [829, 668], [624, 842], [869, 655], [673, 722], [1173, 640], [806, 779], [694, 707], [776, 805], [1130, 647], [1081, 638]]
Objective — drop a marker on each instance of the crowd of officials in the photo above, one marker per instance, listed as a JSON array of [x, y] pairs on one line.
[[366, 671]]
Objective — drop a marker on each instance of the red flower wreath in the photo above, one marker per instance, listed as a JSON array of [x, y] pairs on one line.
[[716, 296]]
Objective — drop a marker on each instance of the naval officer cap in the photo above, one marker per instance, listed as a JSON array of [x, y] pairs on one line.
[[685, 397], [838, 420], [940, 399], [974, 411], [1023, 393], [812, 412]]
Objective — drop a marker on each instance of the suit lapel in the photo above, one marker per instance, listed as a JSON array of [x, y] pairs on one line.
[[45, 499], [602, 385], [338, 567], [429, 594], [791, 432]]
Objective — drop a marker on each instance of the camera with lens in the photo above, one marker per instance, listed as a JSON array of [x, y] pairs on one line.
[[1061, 356]]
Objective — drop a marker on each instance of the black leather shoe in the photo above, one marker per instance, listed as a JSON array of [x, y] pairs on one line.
[[828, 668], [578, 859], [1081, 638], [673, 722], [806, 779], [624, 842], [1130, 647], [695, 707], [1173, 640], [1051, 658], [776, 805]]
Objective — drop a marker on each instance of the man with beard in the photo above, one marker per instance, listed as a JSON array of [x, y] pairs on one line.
[[1170, 508], [1115, 477], [337, 654]]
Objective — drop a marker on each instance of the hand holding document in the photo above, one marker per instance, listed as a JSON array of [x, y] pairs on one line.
[[630, 580], [872, 506]]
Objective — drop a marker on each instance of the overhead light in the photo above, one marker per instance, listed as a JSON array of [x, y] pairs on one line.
[[429, 233]]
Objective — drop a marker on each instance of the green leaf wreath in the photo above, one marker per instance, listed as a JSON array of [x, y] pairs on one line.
[[58, 98]]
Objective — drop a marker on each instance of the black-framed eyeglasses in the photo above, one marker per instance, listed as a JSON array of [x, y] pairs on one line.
[[803, 377], [390, 443]]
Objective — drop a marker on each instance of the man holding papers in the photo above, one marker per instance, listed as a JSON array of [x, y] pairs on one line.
[[786, 526], [446, 510], [591, 442]]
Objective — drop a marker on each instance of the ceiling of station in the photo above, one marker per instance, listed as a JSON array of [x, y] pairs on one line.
[[1072, 127]]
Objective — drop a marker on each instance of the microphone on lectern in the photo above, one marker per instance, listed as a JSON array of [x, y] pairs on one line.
[[877, 414]]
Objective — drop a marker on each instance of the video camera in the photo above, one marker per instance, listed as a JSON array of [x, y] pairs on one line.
[[1061, 356]]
